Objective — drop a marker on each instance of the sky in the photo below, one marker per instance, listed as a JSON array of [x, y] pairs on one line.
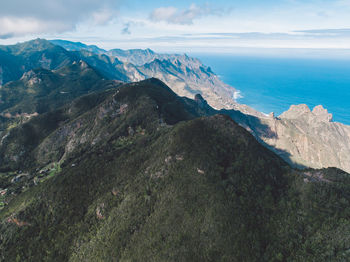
[[179, 25]]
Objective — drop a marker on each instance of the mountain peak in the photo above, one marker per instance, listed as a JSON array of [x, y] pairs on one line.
[[296, 111], [32, 45], [27, 75], [202, 103], [322, 113], [319, 113], [319, 110], [198, 97], [83, 64], [77, 46]]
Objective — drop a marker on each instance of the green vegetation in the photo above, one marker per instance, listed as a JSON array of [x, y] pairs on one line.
[[52, 170], [2, 203], [17, 59], [143, 178], [52, 89]]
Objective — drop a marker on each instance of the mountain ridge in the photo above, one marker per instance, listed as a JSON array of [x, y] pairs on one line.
[[188, 75], [305, 138], [138, 173]]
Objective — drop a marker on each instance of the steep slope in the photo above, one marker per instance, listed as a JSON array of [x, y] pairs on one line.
[[17, 144], [77, 46], [138, 57], [10, 67], [40, 90], [186, 76], [130, 174], [303, 137], [111, 67], [302, 140]]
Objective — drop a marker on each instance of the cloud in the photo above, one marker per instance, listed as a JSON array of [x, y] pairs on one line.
[[327, 32], [343, 3], [310, 44], [15, 26], [102, 16], [21, 17], [126, 29], [173, 15], [6, 36]]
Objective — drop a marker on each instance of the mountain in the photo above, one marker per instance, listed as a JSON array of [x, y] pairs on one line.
[[137, 173], [10, 67], [40, 90], [187, 76], [137, 57], [17, 59], [303, 137], [77, 46]]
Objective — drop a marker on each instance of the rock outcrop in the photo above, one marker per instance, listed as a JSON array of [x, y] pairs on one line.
[[304, 137]]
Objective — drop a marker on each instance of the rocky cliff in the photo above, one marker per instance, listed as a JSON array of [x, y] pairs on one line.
[[304, 137]]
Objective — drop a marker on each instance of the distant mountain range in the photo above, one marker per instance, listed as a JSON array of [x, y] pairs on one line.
[[187, 76], [18, 59]]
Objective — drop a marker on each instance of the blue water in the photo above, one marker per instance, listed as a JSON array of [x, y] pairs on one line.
[[273, 84]]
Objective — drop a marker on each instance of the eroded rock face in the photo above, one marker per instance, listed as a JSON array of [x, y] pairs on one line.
[[187, 76], [31, 78], [296, 111], [306, 138], [322, 114], [318, 114]]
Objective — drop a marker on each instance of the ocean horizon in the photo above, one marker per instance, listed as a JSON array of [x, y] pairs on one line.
[[273, 84]]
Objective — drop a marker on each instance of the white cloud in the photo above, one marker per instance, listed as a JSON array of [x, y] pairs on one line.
[[174, 15], [102, 16], [127, 26], [164, 14], [126, 29], [15, 26], [22, 17]]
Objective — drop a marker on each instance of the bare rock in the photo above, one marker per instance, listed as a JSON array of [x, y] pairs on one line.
[[296, 111], [305, 138], [322, 114], [200, 171], [99, 211]]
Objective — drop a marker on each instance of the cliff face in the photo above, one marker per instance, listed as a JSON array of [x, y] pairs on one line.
[[306, 138], [188, 76]]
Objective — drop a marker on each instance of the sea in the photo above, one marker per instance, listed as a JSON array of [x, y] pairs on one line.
[[272, 84]]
